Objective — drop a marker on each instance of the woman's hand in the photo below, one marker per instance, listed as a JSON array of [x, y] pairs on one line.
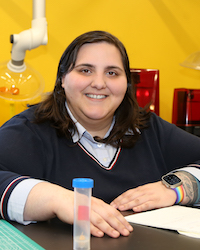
[[47, 201], [106, 219], [146, 197]]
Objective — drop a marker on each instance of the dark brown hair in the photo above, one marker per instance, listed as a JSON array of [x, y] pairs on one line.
[[129, 117]]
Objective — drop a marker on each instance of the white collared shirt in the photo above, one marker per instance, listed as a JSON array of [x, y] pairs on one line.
[[102, 152]]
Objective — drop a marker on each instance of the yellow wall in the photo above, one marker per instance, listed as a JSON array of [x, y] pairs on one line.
[[158, 34]]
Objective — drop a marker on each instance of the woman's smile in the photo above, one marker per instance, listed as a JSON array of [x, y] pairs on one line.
[[95, 96]]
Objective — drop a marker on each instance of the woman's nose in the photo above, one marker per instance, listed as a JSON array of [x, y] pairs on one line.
[[99, 82]]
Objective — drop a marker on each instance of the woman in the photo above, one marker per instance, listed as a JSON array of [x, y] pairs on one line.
[[91, 126]]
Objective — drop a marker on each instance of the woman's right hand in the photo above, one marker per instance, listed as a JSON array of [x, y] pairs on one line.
[[47, 201]]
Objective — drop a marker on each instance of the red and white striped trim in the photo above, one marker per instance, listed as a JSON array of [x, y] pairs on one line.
[[112, 163], [5, 192]]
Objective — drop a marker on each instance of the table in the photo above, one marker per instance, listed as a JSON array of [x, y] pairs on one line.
[[54, 234]]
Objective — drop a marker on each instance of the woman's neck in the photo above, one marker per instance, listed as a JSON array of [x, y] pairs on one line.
[[98, 128]]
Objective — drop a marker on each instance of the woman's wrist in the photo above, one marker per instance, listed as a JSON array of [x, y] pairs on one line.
[[190, 187]]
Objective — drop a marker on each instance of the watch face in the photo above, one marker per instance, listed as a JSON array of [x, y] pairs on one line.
[[172, 179]]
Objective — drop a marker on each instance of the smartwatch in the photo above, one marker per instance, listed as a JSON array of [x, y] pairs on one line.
[[174, 182]]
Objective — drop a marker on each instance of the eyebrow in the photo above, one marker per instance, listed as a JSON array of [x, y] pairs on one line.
[[85, 65], [92, 66]]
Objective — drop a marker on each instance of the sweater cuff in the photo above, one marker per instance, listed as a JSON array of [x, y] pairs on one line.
[[193, 169], [18, 198], [6, 194]]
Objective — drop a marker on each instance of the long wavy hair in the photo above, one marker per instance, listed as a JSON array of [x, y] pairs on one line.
[[128, 116]]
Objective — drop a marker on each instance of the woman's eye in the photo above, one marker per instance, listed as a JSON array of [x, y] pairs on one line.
[[111, 73], [87, 71]]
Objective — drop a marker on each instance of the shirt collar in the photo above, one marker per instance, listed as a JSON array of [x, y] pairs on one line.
[[81, 130]]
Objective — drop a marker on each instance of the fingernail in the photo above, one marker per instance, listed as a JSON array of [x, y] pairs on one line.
[[113, 205], [126, 232], [121, 207], [100, 233], [115, 233], [130, 228]]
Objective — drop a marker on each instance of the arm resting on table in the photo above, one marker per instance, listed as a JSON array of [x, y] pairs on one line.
[[17, 200]]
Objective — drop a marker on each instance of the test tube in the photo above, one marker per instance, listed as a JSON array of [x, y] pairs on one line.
[[82, 203]]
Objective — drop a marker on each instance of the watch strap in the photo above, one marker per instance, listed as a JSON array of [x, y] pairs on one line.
[[179, 193]]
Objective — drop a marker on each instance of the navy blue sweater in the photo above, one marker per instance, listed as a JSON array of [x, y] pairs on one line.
[[34, 150]]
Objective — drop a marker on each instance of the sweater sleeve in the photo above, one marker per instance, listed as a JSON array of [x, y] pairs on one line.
[[17, 200], [21, 156], [193, 169], [8, 181], [178, 147]]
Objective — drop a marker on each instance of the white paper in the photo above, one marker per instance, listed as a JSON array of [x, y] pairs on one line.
[[185, 220]]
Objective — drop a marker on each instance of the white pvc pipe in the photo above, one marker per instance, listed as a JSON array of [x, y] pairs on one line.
[[39, 9], [29, 39]]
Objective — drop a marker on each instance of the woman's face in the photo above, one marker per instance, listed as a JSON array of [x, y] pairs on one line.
[[96, 86]]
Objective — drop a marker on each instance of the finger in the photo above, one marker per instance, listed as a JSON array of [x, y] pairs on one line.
[[143, 200], [122, 199], [96, 231], [127, 200], [130, 204], [111, 222], [107, 212], [100, 226], [121, 218], [145, 207]]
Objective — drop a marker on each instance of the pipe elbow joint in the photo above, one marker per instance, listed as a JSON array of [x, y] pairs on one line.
[[39, 32], [21, 43], [29, 39]]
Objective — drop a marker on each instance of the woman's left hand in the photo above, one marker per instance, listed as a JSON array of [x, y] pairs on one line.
[[146, 197]]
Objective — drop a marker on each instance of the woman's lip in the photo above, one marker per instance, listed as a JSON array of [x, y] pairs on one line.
[[95, 96]]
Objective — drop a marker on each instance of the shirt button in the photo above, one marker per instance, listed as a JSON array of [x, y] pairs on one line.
[[99, 145], [104, 159]]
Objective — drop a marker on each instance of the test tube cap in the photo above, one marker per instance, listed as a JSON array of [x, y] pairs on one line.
[[83, 183]]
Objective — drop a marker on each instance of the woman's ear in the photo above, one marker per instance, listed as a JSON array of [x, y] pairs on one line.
[[62, 82]]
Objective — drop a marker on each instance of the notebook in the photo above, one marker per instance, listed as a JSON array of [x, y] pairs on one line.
[[12, 238]]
